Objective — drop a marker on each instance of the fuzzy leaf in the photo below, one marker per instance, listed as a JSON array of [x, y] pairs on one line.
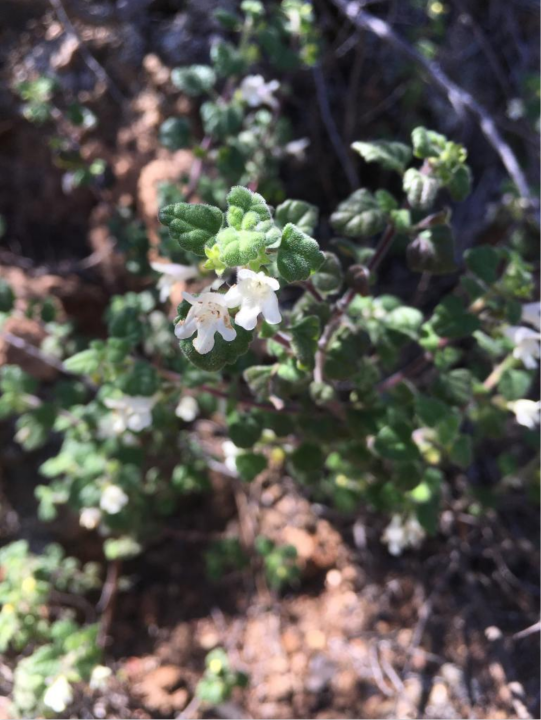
[[421, 189], [483, 261], [239, 247], [304, 337], [244, 428], [395, 444], [193, 80], [390, 155], [359, 216], [246, 209], [459, 185], [250, 465], [193, 226], [328, 279], [433, 251], [427, 143], [221, 120], [300, 213], [299, 255]]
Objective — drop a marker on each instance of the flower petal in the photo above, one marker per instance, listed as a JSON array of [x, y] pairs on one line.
[[228, 333], [247, 316], [271, 310], [233, 297], [186, 328], [204, 342]]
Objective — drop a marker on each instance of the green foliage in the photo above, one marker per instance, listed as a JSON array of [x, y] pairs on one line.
[[390, 155], [280, 561], [194, 80], [299, 255], [219, 679], [433, 251], [193, 226], [359, 216]]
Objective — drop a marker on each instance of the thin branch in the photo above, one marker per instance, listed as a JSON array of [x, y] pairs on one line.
[[332, 130], [89, 59], [459, 98]]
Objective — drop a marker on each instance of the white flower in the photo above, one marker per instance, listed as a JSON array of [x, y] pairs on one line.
[[527, 347], [171, 275], [113, 499], [58, 695], [403, 533], [531, 314], [255, 91], [130, 412], [90, 518], [515, 109], [230, 451], [208, 315], [297, 148], [99, 677], [187, 409], [254, 293], [527, 412]]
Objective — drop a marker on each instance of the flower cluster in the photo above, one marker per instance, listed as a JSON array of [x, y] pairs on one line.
[[253, 295]]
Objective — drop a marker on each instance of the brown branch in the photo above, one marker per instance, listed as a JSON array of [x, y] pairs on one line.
[[459, 98]]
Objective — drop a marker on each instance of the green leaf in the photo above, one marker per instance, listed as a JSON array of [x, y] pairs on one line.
[[221, 120], [329, 278], [299, 255], [244, 428], [515, 384], [386, 201], [308, 458], [405, 320], [193, 226], [175, 133], [427, 143], [430, 410], [227, 59], [239, 247], [433, 251], [304, 337], [86, 362], [455, 387], [194, 80], [396, 444], [452, 320], [390, 155], [460, 183], [258, 379], [120, 548], [484, 262], [250, 465], [142, 379], [246, 209], [344, 353], [462, 451], [421, 189], [359, 216], [298, 212], [7, 297], [223, 352]]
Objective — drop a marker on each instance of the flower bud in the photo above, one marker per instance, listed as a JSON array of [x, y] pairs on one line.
[[358, 279]]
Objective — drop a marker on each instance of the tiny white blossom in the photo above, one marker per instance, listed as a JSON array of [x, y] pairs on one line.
[[255, 91], [531, 314], [207, 316], [58, 695], [113, 499], [527, 412], [130, 412], [187, 409], [402, 533], [90, 518], [99, 677], [171, 275], [230, 451], [254, 293], [515, 109], [297, 148], [527, 345]]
